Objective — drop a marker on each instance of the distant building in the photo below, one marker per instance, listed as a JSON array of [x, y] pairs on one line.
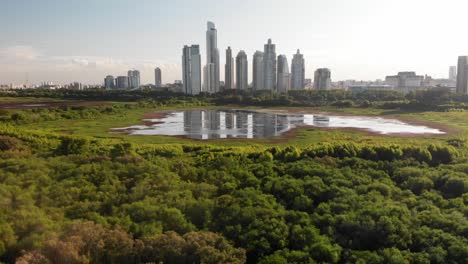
[[269, 66], [371, 87], [121, 82], [257, 71], [462, 75], [322, 79], [109, 82], [211, 70], [242, 71], [229, 70], [191, 70], [157, 78], [308, 84], [405, 82], [284, 78], [133, 79], [297, 71], [453, 73]]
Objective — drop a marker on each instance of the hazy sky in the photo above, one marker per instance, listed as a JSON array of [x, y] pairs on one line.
[[84, 40]]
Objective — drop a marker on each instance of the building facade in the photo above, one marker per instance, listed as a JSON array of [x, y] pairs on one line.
[[269, 66], [229, 70], [453, 73], [283, 77], [191, 70], [211, 70], [133, 79], [257, 71], [462, 75], [298, 71], [405, 82], [157, 77], [121, 82], [109, 82], [322, 79], [242, 71]]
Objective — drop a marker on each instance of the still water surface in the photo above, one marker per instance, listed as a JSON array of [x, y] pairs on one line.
[[214, 124]]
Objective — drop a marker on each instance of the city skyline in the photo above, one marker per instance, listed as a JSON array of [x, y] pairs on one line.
[[63, 48]]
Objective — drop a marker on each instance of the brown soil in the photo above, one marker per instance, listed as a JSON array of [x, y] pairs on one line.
[[31, 105]]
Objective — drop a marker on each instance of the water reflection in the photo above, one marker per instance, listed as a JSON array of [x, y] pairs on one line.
[[211, 124], [214, 124]]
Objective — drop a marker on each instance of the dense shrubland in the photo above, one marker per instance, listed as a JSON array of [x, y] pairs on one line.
[[69, 199], [437, 99], [76, 199]]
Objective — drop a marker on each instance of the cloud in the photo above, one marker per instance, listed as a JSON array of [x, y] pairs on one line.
[[27, 53]]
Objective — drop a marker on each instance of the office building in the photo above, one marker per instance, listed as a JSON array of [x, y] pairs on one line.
[[405, 82], [283, 76], [257, 71], [298, 71], [269, 66], [109, 82], [453, 73], [211, 70], [229, 70], [322, 79], [462, 75], [191, 69], [157, 78], [133, 79], [121, 82], [242, 70]]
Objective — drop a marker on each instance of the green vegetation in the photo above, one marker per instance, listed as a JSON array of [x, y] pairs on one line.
[[70, 192]]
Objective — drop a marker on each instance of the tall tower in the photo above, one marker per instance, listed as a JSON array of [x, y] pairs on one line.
[[297, 71], [191, 69], [269, 66], [133, 79], [242, 70], [109, 82], [257, 71], [453, 73], [322, 79], [462, 75], [212, 59], [284, 78], [157, 77], [229, 70]]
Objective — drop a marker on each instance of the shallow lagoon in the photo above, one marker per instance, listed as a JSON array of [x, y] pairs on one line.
[[215, 124]]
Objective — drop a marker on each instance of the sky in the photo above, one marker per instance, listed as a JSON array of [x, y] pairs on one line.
[[85, 40]]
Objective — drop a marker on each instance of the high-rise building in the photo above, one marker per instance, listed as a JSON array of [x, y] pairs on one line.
[[229, 70], [242, 71], [211, 70], [133, 79], [257, 71], [191, 69], [462, 75], [121, 82], [109, 82], [453, 73], [269, 66], [157, 77], [284, 78], [297, 71], [322, 79]]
